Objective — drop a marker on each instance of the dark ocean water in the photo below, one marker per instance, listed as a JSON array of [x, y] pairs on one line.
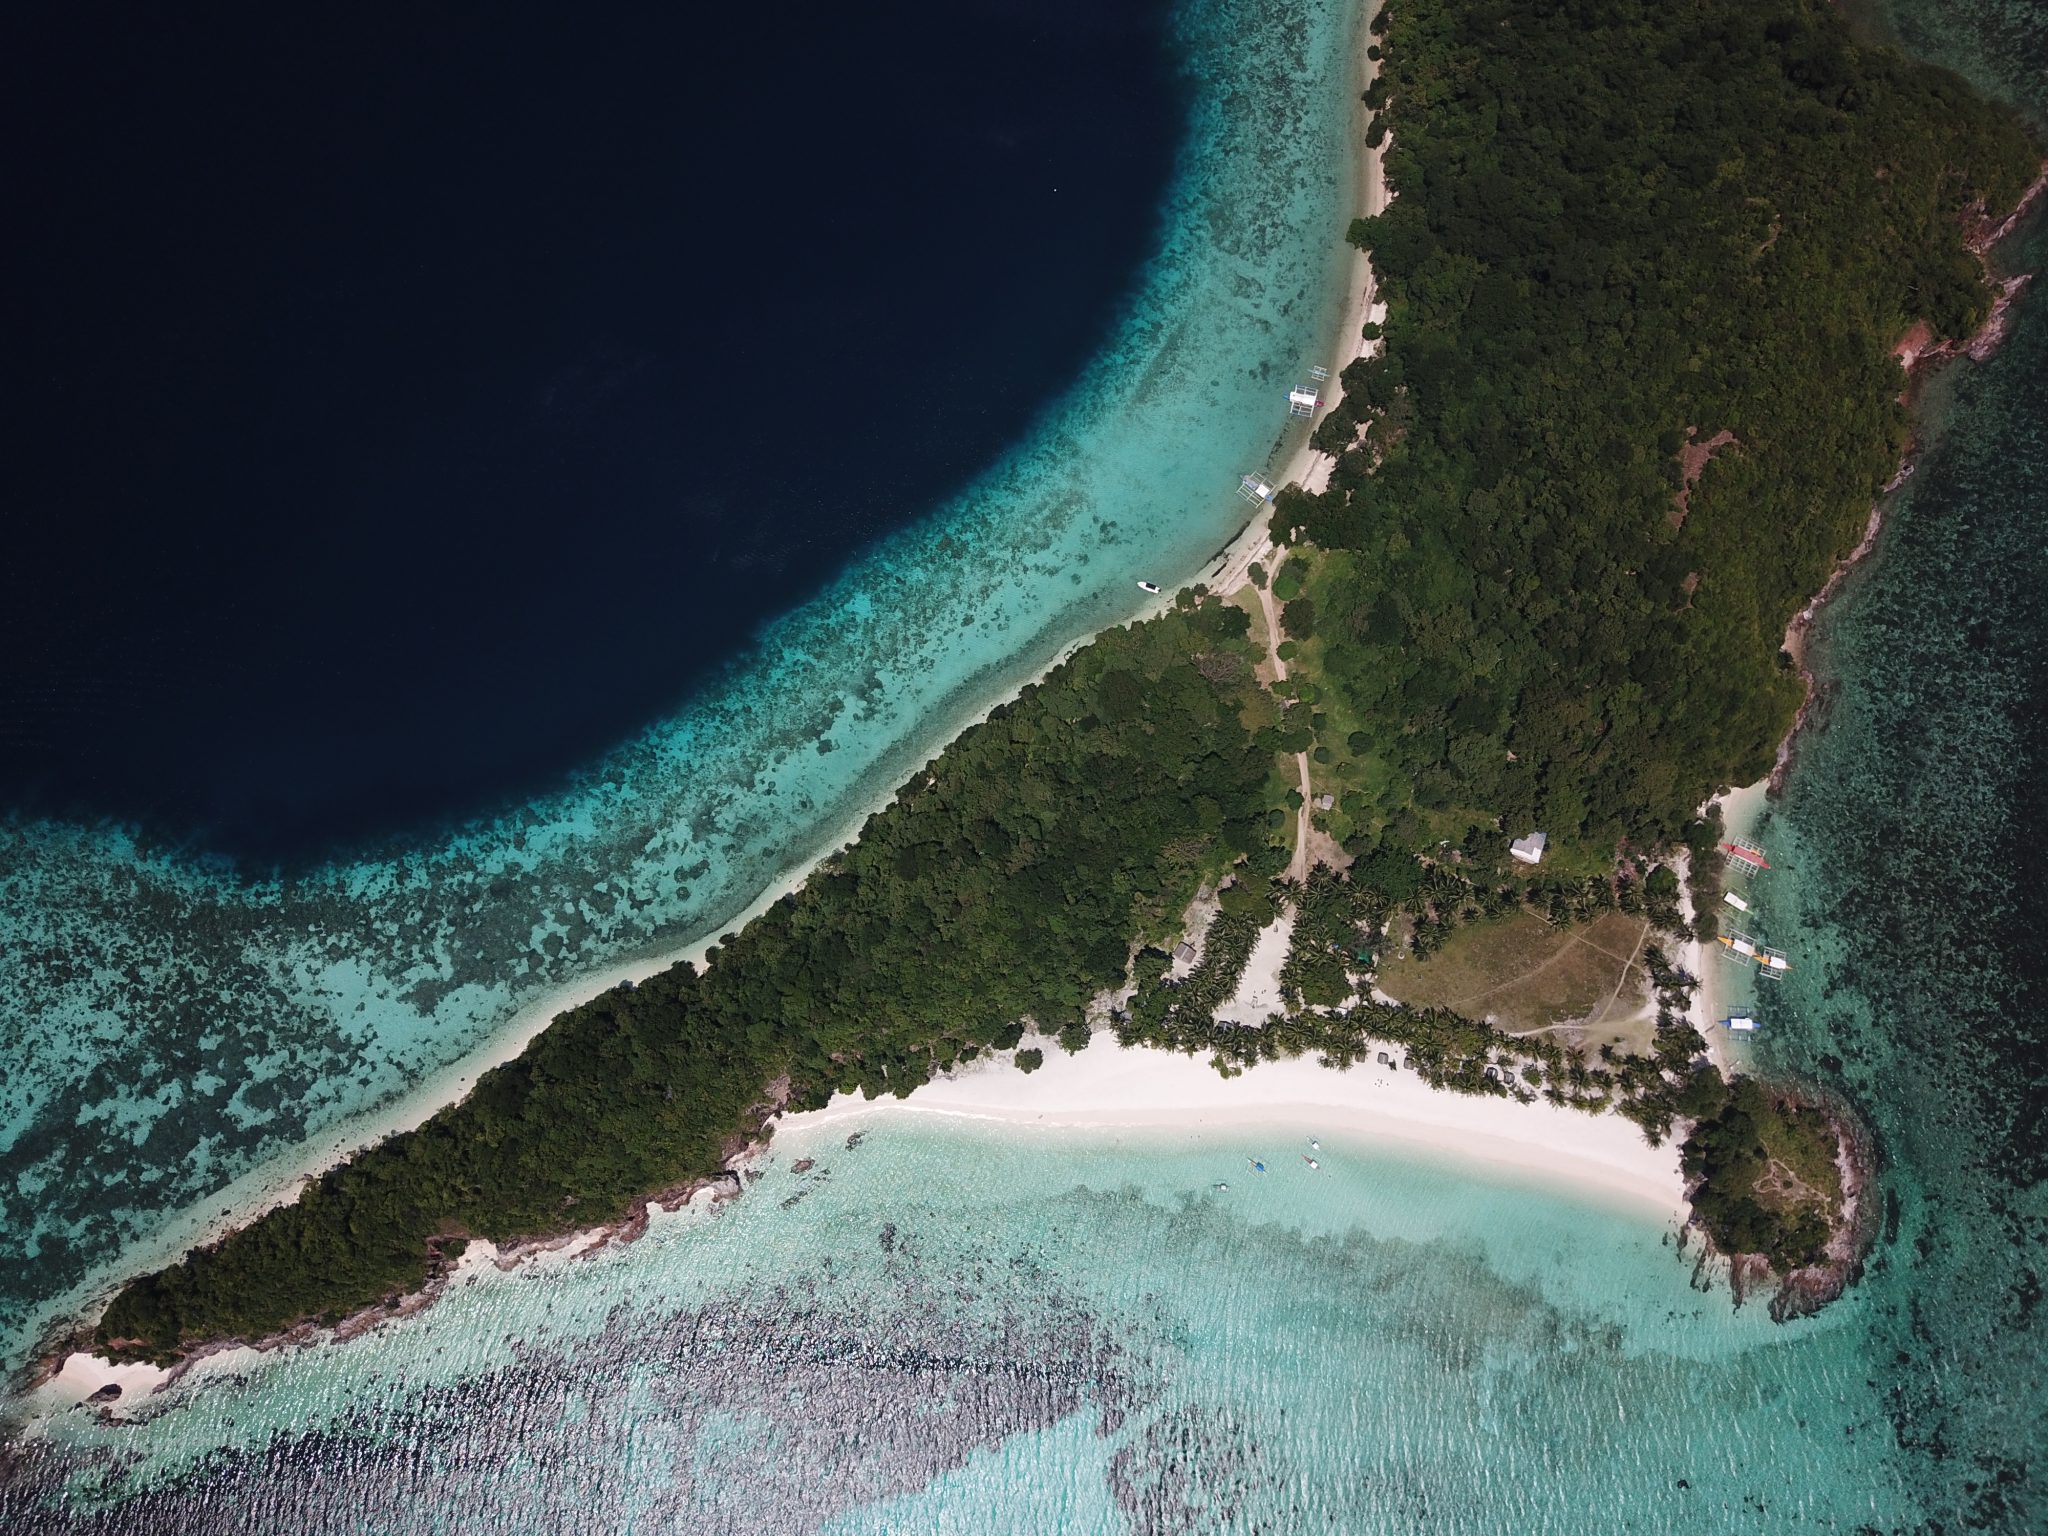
[[934, 1331], [1910, 842], [177, 1028], [403, 405]]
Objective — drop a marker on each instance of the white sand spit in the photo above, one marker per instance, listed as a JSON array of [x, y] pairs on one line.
[[1109, 1085]]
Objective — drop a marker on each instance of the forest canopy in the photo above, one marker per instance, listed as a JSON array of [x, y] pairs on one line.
[[1644, 269], [1007, 881], [1633, 396]]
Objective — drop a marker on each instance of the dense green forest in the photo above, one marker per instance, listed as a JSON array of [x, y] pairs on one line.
[[1626, 232], [1034, 868], [1008, 881], [1769, 1183], [1623, 228]]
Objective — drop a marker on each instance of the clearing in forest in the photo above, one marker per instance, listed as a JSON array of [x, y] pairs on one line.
[[1525, 974]]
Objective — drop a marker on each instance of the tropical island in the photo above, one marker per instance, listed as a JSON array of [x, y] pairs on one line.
[[1628, 403]]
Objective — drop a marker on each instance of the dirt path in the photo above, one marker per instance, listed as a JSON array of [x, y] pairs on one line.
[[1627, 969], [1572, 940], [1297, 870]]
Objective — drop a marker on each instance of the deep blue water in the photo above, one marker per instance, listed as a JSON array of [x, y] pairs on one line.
[[939, 1332], [405, 404], [182, 1035]]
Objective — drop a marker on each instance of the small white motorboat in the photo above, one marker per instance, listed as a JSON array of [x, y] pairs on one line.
[[1149, 586], [1310, 1161]]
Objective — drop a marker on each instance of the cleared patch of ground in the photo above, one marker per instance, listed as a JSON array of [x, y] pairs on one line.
[[1524, 974], [1258, 991]]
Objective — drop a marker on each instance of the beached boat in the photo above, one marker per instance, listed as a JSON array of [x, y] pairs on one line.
[[1741, 1023], [1740, 945], [1148, 586], [1745, 855]]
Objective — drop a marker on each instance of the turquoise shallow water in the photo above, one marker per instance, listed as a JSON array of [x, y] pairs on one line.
[[1910, 880], [982, 1330], [968, 1331], [172, 1026]]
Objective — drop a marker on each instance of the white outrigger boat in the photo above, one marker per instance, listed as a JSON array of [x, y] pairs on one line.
[[1740, 946]]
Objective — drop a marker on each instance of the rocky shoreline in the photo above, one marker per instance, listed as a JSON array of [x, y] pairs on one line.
[[1805, 1291], [1920, 360], [447, 1258]]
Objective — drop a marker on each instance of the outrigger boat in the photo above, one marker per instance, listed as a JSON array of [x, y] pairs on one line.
[[1746, 854], [1770, 962], [1740, 945], [1741, 1023]]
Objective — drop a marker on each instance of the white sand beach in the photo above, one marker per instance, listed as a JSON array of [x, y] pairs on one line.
[[1109, 1085], [1719, 988], [1306, 467], [1600, 1158]]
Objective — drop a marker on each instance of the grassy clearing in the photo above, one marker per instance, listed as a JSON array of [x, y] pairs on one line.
[[1801, 1147], [1525, 974]]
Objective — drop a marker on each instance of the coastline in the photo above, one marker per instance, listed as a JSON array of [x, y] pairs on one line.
[[1741, 807], [1918, 360], [264, 1189], [1307, 466], [1113, 1086], [1806, 1290], [1601, 1159]]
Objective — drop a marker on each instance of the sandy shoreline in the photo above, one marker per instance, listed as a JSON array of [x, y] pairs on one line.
[[1113, 1086], [279, 1183], [1305, 466], [1601, 1159], [1711, 1000]]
